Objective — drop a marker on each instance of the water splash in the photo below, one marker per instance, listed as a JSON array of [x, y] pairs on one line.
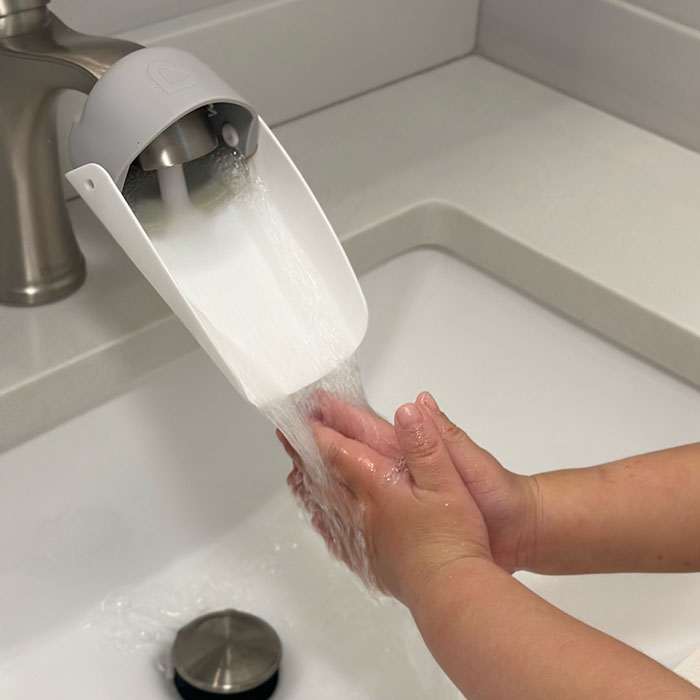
[[272, 566]]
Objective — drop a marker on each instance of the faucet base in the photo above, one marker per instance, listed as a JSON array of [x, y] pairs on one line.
[[40, 57], [46, 291]]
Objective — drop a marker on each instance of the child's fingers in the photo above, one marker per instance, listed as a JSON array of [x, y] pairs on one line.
[[336, 548], [295, 481], [426, 455], [359, 423], [354, 464], [319, 524], [294, 478], [466, 454], [291, 452], [452, 434]]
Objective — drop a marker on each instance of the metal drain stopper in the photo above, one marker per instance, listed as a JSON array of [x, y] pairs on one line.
[[226, 654]]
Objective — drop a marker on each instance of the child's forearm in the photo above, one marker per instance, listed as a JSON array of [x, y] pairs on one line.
[[497, 640], [637, 514]]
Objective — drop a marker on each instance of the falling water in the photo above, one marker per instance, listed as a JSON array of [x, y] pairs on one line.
[[325, 499], [214, 224]]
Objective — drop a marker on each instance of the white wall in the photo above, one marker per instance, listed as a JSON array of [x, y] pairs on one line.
[[684, 11], [613, 54], [290, 57], [112, 17]]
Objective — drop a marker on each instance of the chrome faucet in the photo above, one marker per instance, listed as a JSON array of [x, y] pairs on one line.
[[39, 58]]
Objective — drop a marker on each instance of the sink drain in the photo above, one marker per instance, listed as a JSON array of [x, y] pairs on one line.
[[226, 654]]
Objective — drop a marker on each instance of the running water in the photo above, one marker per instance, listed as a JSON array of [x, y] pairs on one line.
[[329, 503], [215, 227]]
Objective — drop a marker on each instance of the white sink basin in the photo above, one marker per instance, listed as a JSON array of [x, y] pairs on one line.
[[123, 523]]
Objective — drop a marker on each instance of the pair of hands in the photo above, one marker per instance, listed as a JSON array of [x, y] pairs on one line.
[[425, 494], [440, 519]]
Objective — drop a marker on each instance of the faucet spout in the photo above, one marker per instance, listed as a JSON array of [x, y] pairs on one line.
[[40, 57]]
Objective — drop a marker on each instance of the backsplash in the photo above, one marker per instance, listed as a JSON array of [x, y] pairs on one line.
[[100, 17], [290, 57], [616, 55], [684, 11]]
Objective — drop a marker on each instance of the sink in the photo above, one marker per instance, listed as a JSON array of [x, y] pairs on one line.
[[123, 523]]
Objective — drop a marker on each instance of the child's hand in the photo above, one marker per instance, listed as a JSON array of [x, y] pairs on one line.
[[424, 494], [508, 502], [418, 515]]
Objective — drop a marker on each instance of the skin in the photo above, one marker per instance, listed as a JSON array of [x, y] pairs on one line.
[[446, 524]]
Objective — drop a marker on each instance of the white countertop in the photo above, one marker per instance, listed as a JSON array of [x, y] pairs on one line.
[[594, 216]]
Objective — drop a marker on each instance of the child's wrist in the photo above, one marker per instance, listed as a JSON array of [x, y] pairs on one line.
[[528, 550], [468, 572]]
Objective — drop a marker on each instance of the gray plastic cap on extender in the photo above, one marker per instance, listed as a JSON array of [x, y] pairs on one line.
[[143, 94]]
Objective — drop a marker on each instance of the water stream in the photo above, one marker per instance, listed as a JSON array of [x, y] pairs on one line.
[[266, 306]]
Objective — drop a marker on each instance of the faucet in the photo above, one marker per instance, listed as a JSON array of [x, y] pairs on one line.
[[40, 57], [149, 113]]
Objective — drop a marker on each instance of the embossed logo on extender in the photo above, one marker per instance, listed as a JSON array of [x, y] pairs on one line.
[[169, 78]]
